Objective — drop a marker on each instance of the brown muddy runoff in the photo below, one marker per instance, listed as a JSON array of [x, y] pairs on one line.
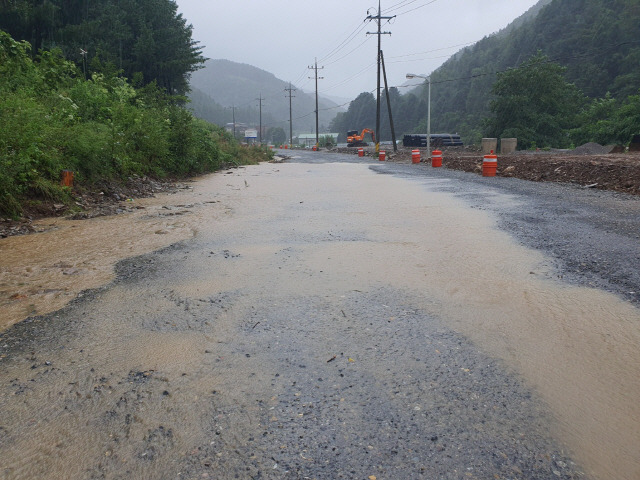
[[577, 347]]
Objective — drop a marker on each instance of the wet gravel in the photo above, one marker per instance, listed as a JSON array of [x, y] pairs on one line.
[[372, 387], [358, 387]]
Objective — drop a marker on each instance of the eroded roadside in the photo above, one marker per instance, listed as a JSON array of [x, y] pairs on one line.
[[42, 272]]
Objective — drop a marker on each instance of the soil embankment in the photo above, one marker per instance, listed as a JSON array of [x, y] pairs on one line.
[[587, 165]]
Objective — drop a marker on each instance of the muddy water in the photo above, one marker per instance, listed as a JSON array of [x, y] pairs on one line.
[[40, 273], [335, 228]]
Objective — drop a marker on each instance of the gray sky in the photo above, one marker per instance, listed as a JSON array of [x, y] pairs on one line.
[[284, 36]]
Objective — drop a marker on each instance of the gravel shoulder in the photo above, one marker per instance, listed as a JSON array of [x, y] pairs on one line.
[[590, 166]]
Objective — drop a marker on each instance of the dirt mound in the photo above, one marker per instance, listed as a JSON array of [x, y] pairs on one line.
[[587, 165], [592, 149]]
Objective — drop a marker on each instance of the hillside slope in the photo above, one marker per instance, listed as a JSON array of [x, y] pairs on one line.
[[235, 84], [598, 41]]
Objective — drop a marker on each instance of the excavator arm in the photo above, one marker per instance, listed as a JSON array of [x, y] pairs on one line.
[[356, 140]]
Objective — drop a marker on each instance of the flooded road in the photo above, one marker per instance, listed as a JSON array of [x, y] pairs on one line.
[[305, 320]]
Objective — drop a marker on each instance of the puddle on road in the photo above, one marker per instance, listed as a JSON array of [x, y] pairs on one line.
[[42, 272], [326, 229]]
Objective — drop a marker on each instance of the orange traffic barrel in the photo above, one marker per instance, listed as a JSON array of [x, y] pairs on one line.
[[436, 158], [67, 178], [382, 155], [315, 148], [361, 152], [489, 165], [415, 156]]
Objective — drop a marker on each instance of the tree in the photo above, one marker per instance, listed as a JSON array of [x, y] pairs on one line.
[[277, 135], [535, 104], [608, 121], [148, 37], [361, 114]]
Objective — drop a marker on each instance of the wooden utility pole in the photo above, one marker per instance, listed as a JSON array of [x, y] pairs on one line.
[[378, 18], [233, 116], [290, 90], [386, 90], [233, 109], [260, 99], [315, 67]]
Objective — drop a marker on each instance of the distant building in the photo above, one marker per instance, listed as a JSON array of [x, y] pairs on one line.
[[240, 127], [308, 139]]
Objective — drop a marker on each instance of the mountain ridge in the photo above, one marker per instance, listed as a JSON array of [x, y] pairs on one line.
[[240, 85]]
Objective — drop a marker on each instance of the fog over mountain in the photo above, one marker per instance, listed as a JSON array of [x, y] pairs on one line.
[[229, 84]]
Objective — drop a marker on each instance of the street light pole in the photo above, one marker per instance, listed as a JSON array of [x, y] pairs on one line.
[[429, 120], [428, 79]]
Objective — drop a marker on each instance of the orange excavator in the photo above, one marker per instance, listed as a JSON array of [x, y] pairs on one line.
[[355, 140]]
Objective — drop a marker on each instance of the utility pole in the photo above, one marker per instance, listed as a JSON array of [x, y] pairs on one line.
[[386, 89], [315, 67], [83, 52], [260, 99], [290, 90], [233, 110], [379, 19]]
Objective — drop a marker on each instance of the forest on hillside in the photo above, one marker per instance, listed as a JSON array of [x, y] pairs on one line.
[[594, 43], [147, 40]]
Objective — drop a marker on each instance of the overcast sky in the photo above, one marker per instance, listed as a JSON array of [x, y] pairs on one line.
[[284, 37]]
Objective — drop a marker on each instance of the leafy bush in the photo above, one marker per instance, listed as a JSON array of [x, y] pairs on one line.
[[101, 128]]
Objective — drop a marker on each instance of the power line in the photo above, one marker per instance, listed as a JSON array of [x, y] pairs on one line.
[[350, 78], [344, 43], [416, 8], [348, 54], [523, 67], [399, 5], [435, 50]]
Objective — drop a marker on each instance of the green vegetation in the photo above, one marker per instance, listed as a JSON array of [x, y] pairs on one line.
[[101, 128], [567, 72], [145, 39], [535, 104]]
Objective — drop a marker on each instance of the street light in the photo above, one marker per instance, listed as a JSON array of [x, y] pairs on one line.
[[428, 79]]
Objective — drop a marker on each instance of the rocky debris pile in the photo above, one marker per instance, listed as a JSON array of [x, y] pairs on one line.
[[593, 149]]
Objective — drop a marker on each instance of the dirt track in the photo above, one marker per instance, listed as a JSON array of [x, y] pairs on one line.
[[585, 166], [334, 321]]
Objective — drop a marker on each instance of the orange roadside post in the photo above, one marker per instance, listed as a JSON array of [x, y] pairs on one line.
[[489, 165], [67, 178], [436, 158]]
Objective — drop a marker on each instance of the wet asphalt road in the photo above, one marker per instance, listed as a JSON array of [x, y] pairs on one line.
[[356, 386], [593, 235]]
